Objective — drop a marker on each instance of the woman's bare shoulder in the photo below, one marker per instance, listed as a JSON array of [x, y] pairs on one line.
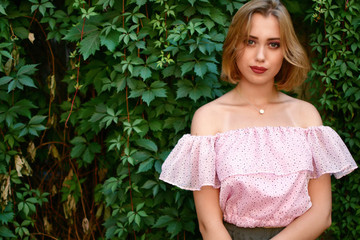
[[305, 113], [207, 119]]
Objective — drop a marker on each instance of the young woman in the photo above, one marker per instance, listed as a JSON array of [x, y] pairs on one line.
[[258, 160]]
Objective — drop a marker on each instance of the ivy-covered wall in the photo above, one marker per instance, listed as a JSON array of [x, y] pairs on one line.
[[94, 95], [335, 81]]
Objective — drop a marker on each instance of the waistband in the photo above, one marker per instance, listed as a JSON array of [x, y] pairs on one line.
[[258, 233]]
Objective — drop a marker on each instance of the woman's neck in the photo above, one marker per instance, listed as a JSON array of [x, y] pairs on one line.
[[257, 95]]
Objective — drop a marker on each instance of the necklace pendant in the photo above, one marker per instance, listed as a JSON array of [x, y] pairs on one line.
[[261, 111]]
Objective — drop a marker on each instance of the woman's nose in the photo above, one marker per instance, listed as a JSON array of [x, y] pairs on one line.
[[260, 54]]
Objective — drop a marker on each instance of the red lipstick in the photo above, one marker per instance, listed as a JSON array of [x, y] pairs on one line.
[[258, 70]]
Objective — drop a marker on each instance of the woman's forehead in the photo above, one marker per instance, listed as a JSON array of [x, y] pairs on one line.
[[264, 26]]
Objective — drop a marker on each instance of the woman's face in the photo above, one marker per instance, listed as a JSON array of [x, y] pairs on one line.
[[262, 54]]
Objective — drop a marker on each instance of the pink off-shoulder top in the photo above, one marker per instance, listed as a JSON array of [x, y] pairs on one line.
[[262, 172]]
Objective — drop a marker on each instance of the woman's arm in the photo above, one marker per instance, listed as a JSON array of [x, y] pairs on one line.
[[317, 219], [207, 204], [209, 214]]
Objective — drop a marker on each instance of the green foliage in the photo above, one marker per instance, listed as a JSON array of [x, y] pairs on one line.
[[336, 58], [92, 107], [21, 78]]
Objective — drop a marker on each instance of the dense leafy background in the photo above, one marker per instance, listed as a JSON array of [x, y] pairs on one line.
[[94, 95]]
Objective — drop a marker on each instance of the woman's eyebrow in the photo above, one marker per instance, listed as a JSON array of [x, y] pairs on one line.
[[269, 39]]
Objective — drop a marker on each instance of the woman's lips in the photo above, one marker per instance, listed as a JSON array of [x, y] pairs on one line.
[[258, 70]]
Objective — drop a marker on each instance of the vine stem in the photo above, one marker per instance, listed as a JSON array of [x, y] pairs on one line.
[[81, 192], [128, 144], [128, 119], [54, 142], [2, 134], [77, 75], [44, 235]]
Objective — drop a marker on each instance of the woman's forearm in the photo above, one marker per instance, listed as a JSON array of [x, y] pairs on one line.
[[317, 219], [209, 214], [214, 232], [307, 227]]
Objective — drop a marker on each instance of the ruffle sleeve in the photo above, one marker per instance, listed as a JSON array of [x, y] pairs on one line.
[[330, 154], [191, 164]]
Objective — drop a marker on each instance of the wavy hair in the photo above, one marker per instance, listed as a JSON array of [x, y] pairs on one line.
[[295, 65]]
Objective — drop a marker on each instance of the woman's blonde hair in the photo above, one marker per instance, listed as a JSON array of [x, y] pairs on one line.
[[295, 65]]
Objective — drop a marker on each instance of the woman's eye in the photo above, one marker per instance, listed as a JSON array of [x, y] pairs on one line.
[[250, 42], [274, 45]]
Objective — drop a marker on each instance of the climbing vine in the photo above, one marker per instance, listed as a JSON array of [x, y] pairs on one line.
[[94, 95], [336, 76]]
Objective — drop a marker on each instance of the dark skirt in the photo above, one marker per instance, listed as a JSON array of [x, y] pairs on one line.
[[238, 233]]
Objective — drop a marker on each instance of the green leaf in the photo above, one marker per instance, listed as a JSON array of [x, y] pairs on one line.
[[26, 209], [155, 125], [159, 92], [90, 44], [148, 96], [343, 68], [32, 200], [78, 150], [78, 140], [26, 81], [212, 67], [218, 16], [163, 221], [149, 184], [97, 117], [21, 32], [200, 69], [74, 34], [201, 89], [204, 10], [145, 73], [142, 214], [174, 228], [88, 156], [137, 219], [351, 91], [147, 144], [136, 93], [209, 23], [2, 10], [6, 232], [12, 86], [140, 206], [140, 2], [37, 119], [191, 2], [169, 71], [184, 87], [7, 215], [157, 84], [186, 67], [110, 41], [5, 80], [6, 54], [144, 167], [27, 69]]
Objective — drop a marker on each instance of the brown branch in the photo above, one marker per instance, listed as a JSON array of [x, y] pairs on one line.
[[44, 235], [81, 192]]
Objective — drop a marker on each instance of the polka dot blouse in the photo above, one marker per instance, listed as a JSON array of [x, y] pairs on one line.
[[262, 172]]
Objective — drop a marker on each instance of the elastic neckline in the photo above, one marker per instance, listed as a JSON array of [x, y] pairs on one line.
[[262, 128]]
